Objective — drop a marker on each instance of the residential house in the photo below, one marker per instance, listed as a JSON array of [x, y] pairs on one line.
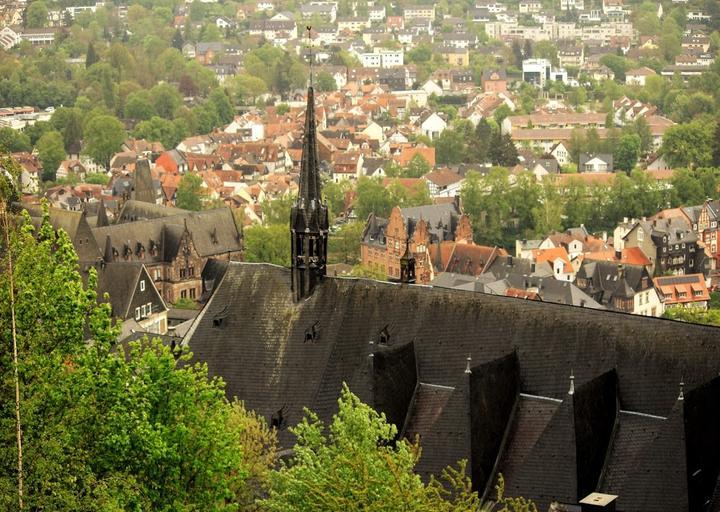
[[422, 12], [455, 56], [620, 287], [688, 291], [561, 154], [638, 76], [571, 55], [595, 163], [494, 81], [558, 260], [444, 183], [704, 220], [133, 297], [670, 245], [347, 166], [431, 124]]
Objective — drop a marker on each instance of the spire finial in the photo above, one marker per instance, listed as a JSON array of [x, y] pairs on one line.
[[309, 30], [681, 396], [572, 383], [467, 364]]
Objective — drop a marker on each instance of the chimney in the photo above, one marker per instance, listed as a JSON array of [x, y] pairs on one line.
[[618, 254], [596, 502], [604, 236]]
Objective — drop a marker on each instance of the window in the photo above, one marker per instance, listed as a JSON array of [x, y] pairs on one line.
[[182, 273], [183, 294], [191, 271], [640, 235], [157, 274], [149, 308], [664, 249], [192, 293], [137, 314], [142, 285], [683, 245]]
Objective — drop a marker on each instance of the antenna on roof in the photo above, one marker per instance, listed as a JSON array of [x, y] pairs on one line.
[[572, 383], [309, 29], [467, 365], [681, 396]]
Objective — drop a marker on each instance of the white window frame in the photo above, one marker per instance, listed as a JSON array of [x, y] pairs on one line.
[[137, 314], [142, 285]]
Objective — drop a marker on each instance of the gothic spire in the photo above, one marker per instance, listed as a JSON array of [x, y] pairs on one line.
[[309, 171]]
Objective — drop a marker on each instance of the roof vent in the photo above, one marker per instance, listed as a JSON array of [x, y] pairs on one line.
[[312, 333], [278, 419], [384, 336]]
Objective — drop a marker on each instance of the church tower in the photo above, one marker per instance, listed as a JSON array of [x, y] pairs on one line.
[[309, 216]]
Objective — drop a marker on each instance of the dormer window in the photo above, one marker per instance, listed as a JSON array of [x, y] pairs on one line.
[[142, 285]]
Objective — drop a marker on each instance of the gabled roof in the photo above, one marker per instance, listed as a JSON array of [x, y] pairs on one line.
[[279, 355]]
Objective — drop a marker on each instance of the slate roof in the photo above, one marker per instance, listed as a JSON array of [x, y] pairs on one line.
[[213, 232], [280, 356]]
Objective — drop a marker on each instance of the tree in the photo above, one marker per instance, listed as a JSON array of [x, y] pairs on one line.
[[13, 141], [627, 152], [166, 99], [109, 427], [177, 40], [325, 82], [91, 57], [51, 151], [417, 167], [344, 244], [246, 87], [548, 212], [359, 465], [688, 144], [139, 107], [103, 137], [267, 244], [190, 193], [716, 145], [502, 150], [37, 130], [69, 122], [37, 14], [372, 197], [527, 49], [450, 147], [157, 129], [277, 211], [221, 103]]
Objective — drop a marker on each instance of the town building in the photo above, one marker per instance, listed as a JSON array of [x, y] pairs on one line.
[[688, 291]]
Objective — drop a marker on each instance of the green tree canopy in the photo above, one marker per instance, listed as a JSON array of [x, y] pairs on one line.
[[267, 244], [689, 144], [37, 14], [103, 137], [106, 427], [158, 129], [190, 193], [627, 152], [51, 151], [13, 141]]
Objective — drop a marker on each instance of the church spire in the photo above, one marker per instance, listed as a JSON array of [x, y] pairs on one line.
[[309, 171], [309, 216]]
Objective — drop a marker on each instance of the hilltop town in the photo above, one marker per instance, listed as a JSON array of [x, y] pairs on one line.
[[478, 203]]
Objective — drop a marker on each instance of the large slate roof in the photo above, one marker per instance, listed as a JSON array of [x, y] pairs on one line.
[[405, 349]]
